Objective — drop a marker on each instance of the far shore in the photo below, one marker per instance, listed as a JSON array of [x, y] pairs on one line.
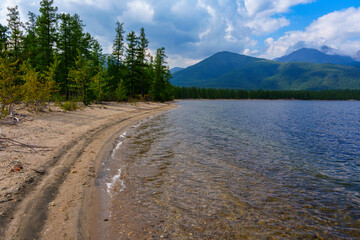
[[49, 163]]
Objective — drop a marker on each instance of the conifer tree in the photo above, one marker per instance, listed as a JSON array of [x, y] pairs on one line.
[[143, 45], [9, 89], [30, 40], [3, 38], [38, 88], [162, 88], [16, 36], [132, 62], [80, 77], [46, 31], [121, 92], [118, 46]]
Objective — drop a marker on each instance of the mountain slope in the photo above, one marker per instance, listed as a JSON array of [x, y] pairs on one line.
[[175, 69], [310, 55], [231, 70]]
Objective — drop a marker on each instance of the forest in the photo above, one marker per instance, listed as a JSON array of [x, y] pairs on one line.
[[52, 58], [219, 93]]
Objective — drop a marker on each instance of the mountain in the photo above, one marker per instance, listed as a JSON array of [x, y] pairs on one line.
[[175, 69], [231, 70], [310, 55]]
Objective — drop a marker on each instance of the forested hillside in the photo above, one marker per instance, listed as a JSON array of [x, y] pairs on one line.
[[235, 71], [51, 57]]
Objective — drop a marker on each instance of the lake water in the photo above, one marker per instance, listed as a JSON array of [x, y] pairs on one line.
[[238, 170]]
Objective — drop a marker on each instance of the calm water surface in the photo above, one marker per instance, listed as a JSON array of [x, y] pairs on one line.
[[238, 170]]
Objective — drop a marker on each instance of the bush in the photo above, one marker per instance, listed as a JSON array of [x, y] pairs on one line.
[[69, 106]]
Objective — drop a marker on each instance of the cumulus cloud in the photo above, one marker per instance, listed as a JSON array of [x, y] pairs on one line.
[[4, 11], [139, 11], [188, 29], [338, 30]]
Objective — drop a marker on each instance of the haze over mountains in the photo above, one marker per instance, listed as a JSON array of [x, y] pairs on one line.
[[304, 69]]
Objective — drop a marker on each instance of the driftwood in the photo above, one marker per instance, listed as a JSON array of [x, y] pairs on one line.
[[32, 147], [10, 120]]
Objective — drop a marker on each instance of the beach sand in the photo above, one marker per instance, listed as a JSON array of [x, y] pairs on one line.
[[47, 177]]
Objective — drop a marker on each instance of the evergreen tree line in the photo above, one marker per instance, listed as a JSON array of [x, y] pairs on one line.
[[212, 93], [51, 56]]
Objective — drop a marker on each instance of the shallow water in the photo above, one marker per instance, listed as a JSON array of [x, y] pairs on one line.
[[238, 170]]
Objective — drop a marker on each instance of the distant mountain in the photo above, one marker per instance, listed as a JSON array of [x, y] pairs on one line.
[[310, 55], [231, 70], [175, 69]]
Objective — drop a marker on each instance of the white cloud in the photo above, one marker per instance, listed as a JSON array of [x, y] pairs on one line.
[[270, 7], [338, 29], [267, 25], [139, 11], [4, 4], [259, 14], [175, 60]]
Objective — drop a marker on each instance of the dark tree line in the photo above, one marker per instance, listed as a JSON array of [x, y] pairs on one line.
[[52, 52], [212, 93]]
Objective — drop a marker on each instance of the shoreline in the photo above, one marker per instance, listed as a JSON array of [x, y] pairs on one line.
[[61, 203]]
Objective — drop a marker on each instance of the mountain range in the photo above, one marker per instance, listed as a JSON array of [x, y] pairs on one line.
[[310, 55], [305, 69]]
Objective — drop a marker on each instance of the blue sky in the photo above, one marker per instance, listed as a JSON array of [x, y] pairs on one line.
[[191, 30]]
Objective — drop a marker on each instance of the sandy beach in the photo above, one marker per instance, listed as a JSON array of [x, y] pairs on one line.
[[48, 165]]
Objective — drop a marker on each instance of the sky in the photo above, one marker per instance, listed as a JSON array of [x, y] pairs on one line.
[[191, 30]]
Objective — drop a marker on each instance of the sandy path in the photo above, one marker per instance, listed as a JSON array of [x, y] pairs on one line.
[[54, 195]]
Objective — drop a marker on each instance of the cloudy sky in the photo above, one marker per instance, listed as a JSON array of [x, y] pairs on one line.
[[191, 30]]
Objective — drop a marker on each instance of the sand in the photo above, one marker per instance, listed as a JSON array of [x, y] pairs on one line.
[[47, 177]]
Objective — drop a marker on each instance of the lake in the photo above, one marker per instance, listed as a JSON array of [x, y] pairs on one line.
[[238, 170]]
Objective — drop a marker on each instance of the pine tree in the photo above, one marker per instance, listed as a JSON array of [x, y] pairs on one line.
[[3, 38], [131, 61], [162, 89], [80, 77], [121, 92], [143, 44], [38, 88], [118, 46], [9, 89], [16, 36], [30, 40], [65, 51], [46, 32]]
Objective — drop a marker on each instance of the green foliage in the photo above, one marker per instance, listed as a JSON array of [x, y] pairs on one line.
[[132, 62], [46, 34], [162, 89], [9, 86], [69, 106], [16, 36], [220, 93], [118, 47], [58, 60], [37, 89], [121, 91], [30, 40], [79, 78], [98, 84], [3, 38]]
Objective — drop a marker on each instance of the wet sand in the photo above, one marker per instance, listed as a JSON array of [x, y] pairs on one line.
[[53, 195]]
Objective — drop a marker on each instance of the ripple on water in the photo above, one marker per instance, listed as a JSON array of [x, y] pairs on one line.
[[240, 170]]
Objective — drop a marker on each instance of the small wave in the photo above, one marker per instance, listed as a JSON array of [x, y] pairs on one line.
[[120, 141], [114, 180]]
